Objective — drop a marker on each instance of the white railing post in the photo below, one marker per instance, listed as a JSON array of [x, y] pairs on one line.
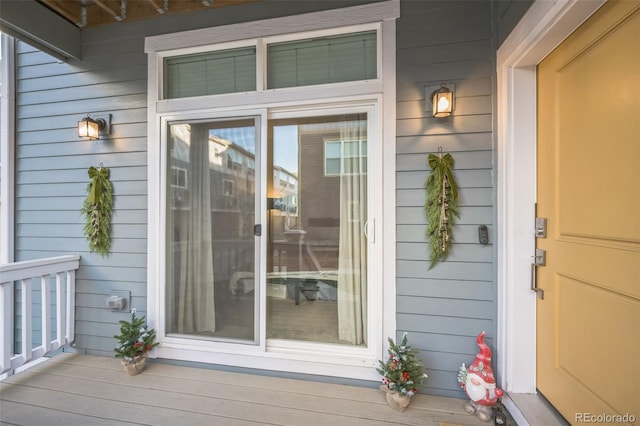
[[27, 319], [46, 312], [71, 307], [61, 311], [64, 268], [6, 325]]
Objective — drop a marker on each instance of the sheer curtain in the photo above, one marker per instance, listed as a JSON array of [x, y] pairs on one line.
[[196, 312], [352, 259]]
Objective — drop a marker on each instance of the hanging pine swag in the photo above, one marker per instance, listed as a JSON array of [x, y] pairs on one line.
[[97, 211], [441, 207]]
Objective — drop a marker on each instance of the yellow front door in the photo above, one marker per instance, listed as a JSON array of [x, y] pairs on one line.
[[588, 177]]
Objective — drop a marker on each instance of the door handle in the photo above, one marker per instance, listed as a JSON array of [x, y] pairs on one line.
[[534, 281], [540, 259], [370, 234]]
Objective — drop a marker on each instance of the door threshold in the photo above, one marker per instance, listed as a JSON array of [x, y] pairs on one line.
[[532, 409]]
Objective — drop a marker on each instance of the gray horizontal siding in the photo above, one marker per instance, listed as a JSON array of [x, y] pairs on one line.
[[446, 288], [62, 230], [52, 202], [468, 215], [507, 14], [52, 178], [114, 260], [462, 252], [414, 232], [75, 244], [63, 217], [74, 175], [466, 180], [444, 308]]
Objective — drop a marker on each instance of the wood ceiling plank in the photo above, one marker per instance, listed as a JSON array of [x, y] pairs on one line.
[[158, 6], [70, 10], [107, 12], [103, 5]]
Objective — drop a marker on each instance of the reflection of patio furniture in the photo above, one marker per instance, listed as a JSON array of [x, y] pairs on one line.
[[313, 285], [298, 234], [309, 288], [241, 282]]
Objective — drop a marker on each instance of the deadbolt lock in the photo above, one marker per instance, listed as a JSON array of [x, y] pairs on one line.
[[541, 227]]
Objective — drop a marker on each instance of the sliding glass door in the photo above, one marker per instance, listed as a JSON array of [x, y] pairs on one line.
[[315, 288], [317, 248], [211, 191]]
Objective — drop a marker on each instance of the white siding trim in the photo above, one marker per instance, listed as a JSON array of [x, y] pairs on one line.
[[543, 27], [155, 215], [388, 221], [7, 145], [285, 96]]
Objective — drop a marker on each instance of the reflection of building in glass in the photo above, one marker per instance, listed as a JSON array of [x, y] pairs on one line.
[[232, 193], [285, 184], [306, 219]]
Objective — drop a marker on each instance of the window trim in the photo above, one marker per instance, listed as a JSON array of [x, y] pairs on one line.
[[8, 146], [383, 14]]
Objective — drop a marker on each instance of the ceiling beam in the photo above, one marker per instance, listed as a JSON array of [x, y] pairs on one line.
[[36, 25], [65, 9]]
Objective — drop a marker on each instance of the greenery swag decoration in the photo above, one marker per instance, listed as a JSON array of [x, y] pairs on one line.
[[97, 209], [403, 371], [441, 207]]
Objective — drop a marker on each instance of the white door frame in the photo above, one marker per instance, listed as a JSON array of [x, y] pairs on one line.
[[544, 26]]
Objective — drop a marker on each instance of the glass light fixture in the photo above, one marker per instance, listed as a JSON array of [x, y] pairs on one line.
[[442, 100], [90, 128]]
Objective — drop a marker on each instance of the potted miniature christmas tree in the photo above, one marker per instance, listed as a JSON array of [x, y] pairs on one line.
[[402, 374], [135, 340]]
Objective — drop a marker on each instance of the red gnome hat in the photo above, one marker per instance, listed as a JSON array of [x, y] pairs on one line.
[[482, 363], [481, 368]]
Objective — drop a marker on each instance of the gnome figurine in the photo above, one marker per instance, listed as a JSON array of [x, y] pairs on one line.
[[480, 384]]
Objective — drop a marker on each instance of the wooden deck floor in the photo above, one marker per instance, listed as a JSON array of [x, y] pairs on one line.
[[88, 390]]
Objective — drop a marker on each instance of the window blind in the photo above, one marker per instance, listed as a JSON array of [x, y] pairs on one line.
[[322, 60], [210, 73]]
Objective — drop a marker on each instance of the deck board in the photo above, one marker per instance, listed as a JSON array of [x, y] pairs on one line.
[[72, 389]]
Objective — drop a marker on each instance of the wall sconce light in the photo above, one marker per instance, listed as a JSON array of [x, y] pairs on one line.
[[271, 203], [442, 101], [91, 128], [275, 204]]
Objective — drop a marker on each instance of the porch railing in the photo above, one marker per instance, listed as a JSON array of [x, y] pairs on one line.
[[17, 318]]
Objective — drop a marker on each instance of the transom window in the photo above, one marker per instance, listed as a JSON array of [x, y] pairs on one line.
[[210, 73], [323, 60], [326, 59]]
